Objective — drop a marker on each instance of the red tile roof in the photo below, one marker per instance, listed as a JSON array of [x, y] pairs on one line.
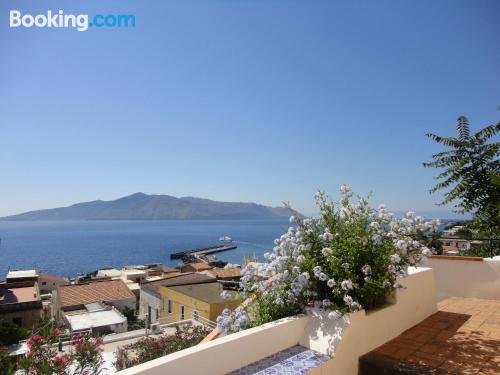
[[21, 294], [224, 273], [183, 279], [53, 277], [197, 266], [99, 291]]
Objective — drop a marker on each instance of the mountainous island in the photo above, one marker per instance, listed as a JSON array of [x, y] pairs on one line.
[[142, 206]]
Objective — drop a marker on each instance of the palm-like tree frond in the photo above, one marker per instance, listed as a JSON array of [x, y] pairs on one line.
[[470, 173], [488, 132], [463, 130], [447, 141]]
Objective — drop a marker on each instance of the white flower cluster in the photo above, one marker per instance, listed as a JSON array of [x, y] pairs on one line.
[[283, 267], [225, 295], [232, 321]]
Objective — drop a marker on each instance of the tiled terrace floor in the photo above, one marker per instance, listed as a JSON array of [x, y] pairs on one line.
[[296, 360], [463, 337]]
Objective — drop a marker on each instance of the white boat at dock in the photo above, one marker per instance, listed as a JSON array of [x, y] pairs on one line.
[[225, 239]]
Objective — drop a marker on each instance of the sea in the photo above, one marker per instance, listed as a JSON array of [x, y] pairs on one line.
[[68, 248]]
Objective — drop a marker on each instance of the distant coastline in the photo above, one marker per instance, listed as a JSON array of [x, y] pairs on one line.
[[140, 206]]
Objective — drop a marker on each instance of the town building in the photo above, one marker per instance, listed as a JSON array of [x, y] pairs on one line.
[[108, 273], [451, 232], [195, 267], [20, 302], [195, 301], [110, 292], [229, 274], [21, 275], [134, 275], [454, 246], [96, 318], [48, 283], [150, 299]]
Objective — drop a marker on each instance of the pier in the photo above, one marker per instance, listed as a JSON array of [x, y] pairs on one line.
[[202, 251]]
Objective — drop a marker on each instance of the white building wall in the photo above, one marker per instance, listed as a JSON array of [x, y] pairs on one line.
[[149, 298]]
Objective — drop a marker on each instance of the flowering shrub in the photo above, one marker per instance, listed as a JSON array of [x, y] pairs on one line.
[[44, 359], [150, 348], [87, 354], [7, 364], [233, 321], [348, 259]]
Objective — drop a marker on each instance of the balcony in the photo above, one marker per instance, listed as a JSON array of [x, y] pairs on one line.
[[413, 334]]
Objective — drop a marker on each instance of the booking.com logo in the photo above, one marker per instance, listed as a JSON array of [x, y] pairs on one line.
[[80, 22]]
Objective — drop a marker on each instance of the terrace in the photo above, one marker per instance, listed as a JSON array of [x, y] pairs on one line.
[[446, 321]]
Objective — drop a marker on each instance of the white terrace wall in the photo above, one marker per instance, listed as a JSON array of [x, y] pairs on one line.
[[228, 353], [359, 333], [466, 277]]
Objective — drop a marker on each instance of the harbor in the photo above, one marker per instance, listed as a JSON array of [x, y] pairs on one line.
[[202, 251]]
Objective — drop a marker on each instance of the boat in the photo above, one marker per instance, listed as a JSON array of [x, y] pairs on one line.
[[225, 239]]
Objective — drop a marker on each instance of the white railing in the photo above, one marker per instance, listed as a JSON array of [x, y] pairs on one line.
[[206, 322], [193, 317]]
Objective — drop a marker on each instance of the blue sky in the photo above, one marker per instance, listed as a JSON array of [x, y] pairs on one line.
[[263, 101]]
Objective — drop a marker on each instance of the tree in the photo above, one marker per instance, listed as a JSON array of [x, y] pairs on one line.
[[7, 364], [11, 334], [133, 321], [471, 172]]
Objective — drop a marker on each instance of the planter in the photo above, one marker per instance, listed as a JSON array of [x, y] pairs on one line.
[[355, 334]]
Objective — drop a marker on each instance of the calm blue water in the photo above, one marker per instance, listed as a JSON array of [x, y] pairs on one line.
[[66, 248]]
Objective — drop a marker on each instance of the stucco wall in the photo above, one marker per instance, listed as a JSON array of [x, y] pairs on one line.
[[190, 305], [29, 318], [206, 310], [51, 283], [149, 298], [356, 334], [465, 277], [228, 353]]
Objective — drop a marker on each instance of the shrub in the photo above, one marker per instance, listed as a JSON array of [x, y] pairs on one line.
[[11, 333], [7, 364], [43, 358], [150, 348], [348, 259]]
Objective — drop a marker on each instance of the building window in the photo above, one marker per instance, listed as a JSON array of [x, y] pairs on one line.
[[169, 306], [44, 283], [196, 315], [157, 314], [182, 312]]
